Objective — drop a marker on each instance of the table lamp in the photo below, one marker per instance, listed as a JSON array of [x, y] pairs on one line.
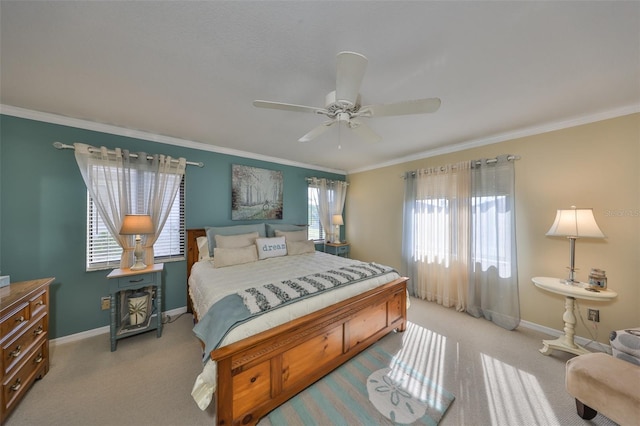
[[137, 224], [337, 221], [574, 223]]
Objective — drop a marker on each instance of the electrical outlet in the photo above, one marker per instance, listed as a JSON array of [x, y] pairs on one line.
[[105, 303], [593, 315]]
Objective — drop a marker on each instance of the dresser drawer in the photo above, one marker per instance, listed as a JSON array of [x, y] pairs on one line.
[[38, 304], [17, 319], [136, 281], [13, 352], [24, 344], [34, 366]]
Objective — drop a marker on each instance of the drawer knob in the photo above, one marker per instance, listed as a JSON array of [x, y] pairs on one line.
[[16, 386], [38, 359], [38, 331], [39, 303], [136, 281], [16, 352], [20, 319]]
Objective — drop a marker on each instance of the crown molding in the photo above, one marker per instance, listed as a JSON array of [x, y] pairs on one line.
[[502, 137], [138, 134]]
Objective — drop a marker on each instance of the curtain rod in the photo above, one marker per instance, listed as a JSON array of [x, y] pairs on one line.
[[310, 179], [60, 145], [489, 161]]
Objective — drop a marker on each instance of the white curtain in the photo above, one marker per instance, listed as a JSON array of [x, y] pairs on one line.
[[459, 242], [331, 195], [436, 234], [122, 184], [493, 272]]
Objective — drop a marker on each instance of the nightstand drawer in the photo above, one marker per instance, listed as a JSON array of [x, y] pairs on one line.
[[136, 281], [342, 249]]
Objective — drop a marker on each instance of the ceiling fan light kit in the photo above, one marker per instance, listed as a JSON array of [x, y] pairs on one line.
[[344, 106]]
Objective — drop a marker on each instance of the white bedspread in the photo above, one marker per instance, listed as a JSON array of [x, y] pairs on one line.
[[208, 285]]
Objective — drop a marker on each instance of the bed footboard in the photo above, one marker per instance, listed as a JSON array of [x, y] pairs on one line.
[[259, 373]]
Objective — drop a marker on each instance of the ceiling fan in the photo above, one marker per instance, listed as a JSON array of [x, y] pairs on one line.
[[343, 104]]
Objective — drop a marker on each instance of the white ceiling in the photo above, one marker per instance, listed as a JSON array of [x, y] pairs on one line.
[[190, 70]]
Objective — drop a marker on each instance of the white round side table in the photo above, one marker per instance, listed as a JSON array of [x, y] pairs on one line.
[[571, 292]]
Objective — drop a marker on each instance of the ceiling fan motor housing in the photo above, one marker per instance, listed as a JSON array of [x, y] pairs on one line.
[[334, 106]]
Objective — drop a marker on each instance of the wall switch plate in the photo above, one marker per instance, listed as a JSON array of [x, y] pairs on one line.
[[5, 281], [105, 303], [593, 315]]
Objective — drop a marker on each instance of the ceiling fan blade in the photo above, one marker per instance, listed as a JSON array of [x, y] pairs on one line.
[[364, 131], [350, 72], [418, 106], [288, 107], [316, 131]]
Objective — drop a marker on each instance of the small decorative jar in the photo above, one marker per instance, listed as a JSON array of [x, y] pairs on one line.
[[597, 279]]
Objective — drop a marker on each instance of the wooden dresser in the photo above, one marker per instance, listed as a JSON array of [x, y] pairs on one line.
[[24, 341]]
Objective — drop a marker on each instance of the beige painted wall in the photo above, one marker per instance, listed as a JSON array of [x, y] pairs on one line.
[[594, 165]]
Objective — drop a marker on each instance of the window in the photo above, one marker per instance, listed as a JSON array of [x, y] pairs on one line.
[[103, 251], [316, 232], [492, 225]]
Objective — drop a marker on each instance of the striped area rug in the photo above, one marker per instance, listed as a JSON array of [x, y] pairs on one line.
[[386, 384]]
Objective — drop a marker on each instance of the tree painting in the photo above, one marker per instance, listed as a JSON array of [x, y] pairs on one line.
[[255, 193]]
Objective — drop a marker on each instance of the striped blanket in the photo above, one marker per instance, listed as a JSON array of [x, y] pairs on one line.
[[269, 296]]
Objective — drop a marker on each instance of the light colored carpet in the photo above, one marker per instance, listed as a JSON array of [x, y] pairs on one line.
[[498, 377]]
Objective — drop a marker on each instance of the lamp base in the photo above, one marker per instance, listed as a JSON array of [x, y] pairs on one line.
[[138, 253], [138, 266]]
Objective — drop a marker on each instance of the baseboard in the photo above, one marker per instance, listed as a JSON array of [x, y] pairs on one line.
[[103, 330], [526, 324], [582, 341]]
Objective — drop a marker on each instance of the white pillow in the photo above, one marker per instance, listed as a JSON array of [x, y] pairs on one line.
[[300, 247], [292, 235], [234, 256], [236, 241], [203, 248], [271, 247]]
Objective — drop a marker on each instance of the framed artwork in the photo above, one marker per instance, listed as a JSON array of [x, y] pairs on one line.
[[255, 193]]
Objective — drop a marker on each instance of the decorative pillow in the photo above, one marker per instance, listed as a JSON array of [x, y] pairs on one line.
[[271, 247], [272, 227], [236, 241], [234, 256], [292, 235], [203, 248], [212, 231], [300, 247]]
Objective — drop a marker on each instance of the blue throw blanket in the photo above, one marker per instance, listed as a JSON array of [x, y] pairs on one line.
[[234, 309]]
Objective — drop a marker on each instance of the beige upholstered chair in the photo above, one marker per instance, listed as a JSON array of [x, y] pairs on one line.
[[608, 384]]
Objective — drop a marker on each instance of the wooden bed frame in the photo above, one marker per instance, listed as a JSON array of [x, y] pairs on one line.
[[257, 374]]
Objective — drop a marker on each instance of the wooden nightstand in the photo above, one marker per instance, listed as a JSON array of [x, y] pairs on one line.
[[339, 249], [127, 286]]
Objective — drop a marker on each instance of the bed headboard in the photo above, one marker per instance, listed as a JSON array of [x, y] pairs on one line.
[[192, 257]]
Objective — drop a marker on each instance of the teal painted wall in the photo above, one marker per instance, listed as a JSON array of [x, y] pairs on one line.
[[43, 213]]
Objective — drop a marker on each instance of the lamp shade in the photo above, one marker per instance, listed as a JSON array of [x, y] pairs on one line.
[[337, 219], [574, 222], [136, 224]]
